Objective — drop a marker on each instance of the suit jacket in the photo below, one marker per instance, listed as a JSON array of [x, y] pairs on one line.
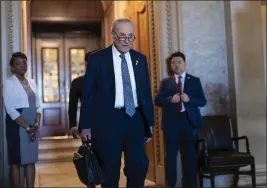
[[194, 90], [98, 100], [74, 97]]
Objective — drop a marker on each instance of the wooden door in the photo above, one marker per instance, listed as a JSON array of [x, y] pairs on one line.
[[59, 59], [137, 12], [51, 83], [75, 48]]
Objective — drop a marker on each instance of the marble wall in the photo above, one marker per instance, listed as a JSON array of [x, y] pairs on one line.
[[203, 41], [223, 44], [249, 67], [204, 44]]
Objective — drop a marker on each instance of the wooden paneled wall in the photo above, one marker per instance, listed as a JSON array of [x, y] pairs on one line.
[[65, 10], [109, 17]]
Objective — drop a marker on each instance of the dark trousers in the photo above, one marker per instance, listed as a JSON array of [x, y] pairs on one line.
[[126, 136], [181, 136]]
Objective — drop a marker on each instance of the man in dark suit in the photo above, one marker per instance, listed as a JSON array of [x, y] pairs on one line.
[[117, 108], [180, 96], [74, 97]]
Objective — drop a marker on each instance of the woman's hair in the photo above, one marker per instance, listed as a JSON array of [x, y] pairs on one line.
[[169, 60], [17, 55]]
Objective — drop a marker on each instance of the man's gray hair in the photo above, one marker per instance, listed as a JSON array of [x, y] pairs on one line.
[[120, 20]]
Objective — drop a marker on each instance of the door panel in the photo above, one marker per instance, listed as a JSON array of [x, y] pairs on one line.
[[50, 80], [76, 46], [137, 12], [59, 60]]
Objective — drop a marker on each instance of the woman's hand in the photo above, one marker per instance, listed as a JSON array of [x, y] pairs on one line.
[[32, 132]]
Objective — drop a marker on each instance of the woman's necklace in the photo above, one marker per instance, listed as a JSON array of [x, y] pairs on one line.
[[25, 83]]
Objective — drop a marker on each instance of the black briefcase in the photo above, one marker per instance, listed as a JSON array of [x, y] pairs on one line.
[[87, 166]]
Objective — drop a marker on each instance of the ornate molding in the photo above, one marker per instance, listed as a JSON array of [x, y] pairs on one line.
[[10, 27], [169, 26], [141, 5], [106, 4], [155, 76], [168, 37], [13, 26]]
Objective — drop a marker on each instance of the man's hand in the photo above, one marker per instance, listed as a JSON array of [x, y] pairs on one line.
[[86, 134], [74, 132], [185, 98], [149, 139], [176, 98]]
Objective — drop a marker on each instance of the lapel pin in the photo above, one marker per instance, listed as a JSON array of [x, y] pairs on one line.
[[137, 62], [188, 77]]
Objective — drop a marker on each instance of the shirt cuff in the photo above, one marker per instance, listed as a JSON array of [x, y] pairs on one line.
[[14, 115], [74, 128], [39, 110]]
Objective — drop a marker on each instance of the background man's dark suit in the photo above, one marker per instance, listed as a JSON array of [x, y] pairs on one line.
[[75, 96], [180, 129], [112, 130]]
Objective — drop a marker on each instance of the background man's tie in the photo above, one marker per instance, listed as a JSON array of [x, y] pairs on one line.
[[179, 87], [127, 88]]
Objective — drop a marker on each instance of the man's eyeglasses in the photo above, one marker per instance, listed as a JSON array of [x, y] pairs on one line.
[[124, 38]]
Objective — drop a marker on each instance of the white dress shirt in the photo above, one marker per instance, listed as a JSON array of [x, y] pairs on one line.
[[119, 97], [182, 80], [15, 96]]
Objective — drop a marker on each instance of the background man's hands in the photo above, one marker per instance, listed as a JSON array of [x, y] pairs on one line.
[[74, 132], [176, 98], [184, 97]]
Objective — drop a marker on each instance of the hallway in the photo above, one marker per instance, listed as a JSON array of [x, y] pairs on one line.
[[63, 174]]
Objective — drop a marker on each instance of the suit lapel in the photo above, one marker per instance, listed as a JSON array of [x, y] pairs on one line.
[[173, 83], [135, 63], [186, 82], [110, 68]]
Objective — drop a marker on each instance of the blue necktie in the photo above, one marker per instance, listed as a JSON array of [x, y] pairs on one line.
[[127, 88]]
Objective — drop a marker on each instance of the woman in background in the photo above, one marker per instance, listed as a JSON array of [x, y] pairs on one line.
[[22, 120]]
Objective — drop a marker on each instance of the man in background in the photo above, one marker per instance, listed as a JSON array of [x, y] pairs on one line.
[[74, 98]]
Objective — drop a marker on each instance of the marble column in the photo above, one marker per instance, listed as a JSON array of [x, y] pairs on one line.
[[249, 69], [204, 44], [11, 41]]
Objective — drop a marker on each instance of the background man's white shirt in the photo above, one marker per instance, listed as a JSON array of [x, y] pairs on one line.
[[183, 80]]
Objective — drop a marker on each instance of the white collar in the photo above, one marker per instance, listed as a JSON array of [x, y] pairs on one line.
[[117, 53], [15, 78], [182, 75]]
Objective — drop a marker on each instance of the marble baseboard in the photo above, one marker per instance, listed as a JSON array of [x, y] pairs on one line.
[[261, 173]]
